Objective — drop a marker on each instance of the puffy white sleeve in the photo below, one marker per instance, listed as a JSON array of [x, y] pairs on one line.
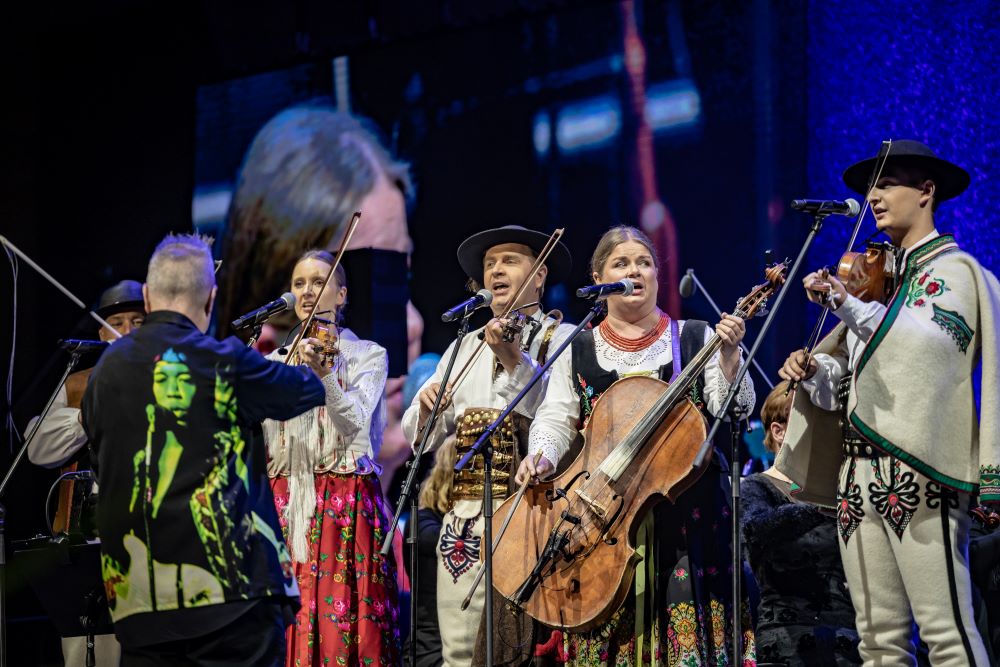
[[60, 435], [717, 386], [359, 406], [860, 317], [822, 386], [554, 426], [445, 423]]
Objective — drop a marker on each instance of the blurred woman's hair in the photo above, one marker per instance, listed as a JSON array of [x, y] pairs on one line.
[[305, 173]]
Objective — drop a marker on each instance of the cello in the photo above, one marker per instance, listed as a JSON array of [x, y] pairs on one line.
[[568, 555]]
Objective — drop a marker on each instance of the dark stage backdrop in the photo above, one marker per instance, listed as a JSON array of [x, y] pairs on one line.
[[531, 121], [120, 115]]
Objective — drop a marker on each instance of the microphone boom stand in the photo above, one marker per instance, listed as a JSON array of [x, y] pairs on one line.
[[718, 311], [484, 446], [706, 447], [409, 490], [73, 360]]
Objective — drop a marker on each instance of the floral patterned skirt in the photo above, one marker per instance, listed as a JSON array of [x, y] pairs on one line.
[[350, 607], [687, 620]]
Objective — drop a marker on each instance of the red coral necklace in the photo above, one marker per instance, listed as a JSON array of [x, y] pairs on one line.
[[624, 344]]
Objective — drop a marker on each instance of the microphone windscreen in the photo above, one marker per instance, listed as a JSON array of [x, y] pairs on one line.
[[686, 287], [487, 296], [289, 299], [853, 207]]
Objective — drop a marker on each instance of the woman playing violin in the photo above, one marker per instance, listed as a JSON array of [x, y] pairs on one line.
[[679, 608], [325, 482]]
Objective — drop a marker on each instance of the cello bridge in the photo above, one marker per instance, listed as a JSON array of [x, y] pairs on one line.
[[599, 510]]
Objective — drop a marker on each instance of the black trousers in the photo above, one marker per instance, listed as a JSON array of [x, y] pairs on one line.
[[254, 638]]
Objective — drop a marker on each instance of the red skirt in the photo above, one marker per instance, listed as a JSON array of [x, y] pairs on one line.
[[350, 605]]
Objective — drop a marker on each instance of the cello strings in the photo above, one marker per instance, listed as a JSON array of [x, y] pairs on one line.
[[600, 492]]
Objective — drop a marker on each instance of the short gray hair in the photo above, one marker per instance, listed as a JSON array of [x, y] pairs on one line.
[[181, 268]]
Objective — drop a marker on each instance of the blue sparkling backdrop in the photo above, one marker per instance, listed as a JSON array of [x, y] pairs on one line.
[[902, 70]]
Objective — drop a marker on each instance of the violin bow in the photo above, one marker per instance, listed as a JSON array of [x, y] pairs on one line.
[[883, 157], [353, 225], [543, 256], [503, 528]]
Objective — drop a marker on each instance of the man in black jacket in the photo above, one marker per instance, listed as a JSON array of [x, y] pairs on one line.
[[194, 564]]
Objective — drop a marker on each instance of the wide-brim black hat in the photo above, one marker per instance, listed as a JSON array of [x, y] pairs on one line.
[[950, 179], [473, 249], [121, 297]]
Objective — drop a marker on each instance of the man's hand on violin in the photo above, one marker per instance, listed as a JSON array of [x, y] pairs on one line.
[[311, 353], [731, 330], [533, 471], [427, 397], [799, 366], [509, 354], [824, 289]]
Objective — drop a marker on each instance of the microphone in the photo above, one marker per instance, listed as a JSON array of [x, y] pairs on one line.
[[265, 312], [482, 298], [77, 345], [848, 207], [625, 287], [686, 288], [689, 283]]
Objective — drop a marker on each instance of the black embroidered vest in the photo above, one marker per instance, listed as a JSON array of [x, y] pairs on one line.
[[590, 380]]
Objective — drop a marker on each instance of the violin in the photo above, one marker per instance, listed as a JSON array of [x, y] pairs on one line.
[[869, 275], [567, 549], [325, 331], [514, 324], [307, 330]]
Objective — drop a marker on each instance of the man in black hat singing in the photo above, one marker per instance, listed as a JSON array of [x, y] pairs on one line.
[[60, 440], [502, 259], [888, 400]]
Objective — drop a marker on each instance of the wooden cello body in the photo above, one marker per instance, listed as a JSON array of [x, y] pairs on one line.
[[568, 555], [581, 593]]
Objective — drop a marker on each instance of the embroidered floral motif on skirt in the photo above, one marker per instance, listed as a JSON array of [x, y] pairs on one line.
[[692, 626], [350, 608]]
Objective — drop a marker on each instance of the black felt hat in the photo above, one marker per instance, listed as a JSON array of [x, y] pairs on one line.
[[121, 297], [950, 179], [472, 250]]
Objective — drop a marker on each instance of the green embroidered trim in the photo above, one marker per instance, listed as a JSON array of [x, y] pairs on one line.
[[926, 286], [954, 325], [909, 459], [897, 299], [920, 253], [989, 483]]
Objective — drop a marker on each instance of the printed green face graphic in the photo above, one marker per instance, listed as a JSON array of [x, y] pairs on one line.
[[173, 387]]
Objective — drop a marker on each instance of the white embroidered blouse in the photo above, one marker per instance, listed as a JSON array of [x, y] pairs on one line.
[[342, 437], [555, 424]]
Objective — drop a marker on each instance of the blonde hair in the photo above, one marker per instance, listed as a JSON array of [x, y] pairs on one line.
[[339, 275], [435, 492], [615, 237], [776, 407]]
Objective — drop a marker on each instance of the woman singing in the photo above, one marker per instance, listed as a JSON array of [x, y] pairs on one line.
[[679, 610]]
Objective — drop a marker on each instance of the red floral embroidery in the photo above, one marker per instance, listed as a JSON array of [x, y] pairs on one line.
[[925, 286]]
